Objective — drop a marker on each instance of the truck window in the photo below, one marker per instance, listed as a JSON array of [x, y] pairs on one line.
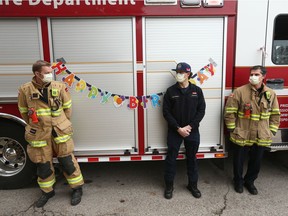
[[280, 40]]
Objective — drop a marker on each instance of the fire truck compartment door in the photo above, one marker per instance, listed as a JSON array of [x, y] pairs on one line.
[[195, 41], [100, 52], [20, 45]]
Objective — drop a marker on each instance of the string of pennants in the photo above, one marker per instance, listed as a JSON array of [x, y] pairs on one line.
[[118, 99]]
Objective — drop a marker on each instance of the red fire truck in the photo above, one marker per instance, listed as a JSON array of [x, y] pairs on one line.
[[118, 60]]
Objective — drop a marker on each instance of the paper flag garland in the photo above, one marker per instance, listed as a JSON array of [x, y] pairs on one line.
[[118, 99]]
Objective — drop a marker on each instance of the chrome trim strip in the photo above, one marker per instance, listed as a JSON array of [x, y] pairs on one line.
[[13, 118]]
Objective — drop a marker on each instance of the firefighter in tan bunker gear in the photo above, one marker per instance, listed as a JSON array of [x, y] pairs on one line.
[[46, 108], [252, 116]]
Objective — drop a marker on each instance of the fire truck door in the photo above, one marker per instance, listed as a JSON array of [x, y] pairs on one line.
[[277, 34], [195, 41], [277, 63], [251, 33], [100, 52], [20, 45]]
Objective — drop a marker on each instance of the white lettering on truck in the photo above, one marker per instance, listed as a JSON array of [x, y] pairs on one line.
[[57, 3], [6, 2]]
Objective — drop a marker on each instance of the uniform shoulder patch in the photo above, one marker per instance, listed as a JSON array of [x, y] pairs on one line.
[[26, 85], [57, 84]]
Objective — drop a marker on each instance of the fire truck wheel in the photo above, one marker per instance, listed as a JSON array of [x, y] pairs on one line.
[[16, 169]]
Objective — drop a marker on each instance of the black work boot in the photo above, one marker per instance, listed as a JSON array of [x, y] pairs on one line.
[[76, 196], [251, 188], [192, 187], [238, 187], [168, 193], [44, 198]]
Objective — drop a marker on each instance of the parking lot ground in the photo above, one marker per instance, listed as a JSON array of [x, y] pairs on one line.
[[136, 189]]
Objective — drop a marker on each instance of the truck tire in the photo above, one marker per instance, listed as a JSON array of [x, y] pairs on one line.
[[16, 169]]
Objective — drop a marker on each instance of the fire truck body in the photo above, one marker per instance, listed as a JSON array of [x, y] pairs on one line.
[[124, 51], [262, 38]]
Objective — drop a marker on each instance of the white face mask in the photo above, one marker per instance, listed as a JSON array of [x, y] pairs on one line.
[[254, 80], [48, 78], [180, 77]]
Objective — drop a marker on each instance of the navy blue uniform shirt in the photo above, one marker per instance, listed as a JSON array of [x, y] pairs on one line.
[[181, 108]]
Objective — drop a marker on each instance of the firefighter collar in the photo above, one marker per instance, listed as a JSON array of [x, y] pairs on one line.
[[38, 85]]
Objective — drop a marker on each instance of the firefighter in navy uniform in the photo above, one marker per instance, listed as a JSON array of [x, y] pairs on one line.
[[183, 108], [252, 116], [46, 108]]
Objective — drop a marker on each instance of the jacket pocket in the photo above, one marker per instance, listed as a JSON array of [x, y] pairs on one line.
[[36, 136], [35, 154], [265, 134], [240, 133], [193, 99], [264, 106], [64, 128]]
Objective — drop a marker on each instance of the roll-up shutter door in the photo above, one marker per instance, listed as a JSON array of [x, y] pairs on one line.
[[99, 51], [20, 47], [195, 41]]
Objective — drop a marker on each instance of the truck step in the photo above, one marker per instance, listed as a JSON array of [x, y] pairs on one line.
[[278, 147]]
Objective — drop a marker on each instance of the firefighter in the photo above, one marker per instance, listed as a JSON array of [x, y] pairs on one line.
[[252, 116], [183, 109], [45, 105]]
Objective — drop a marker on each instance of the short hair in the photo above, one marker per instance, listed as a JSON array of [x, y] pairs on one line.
[[37, 66], [256, 67]]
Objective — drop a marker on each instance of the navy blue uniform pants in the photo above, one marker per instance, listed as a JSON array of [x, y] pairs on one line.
[[255, 154], [191, 144]]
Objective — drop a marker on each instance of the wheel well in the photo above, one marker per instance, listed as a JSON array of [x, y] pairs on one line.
[[16, 169], [9, 126], [11, 119]]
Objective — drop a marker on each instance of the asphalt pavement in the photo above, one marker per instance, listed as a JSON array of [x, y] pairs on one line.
[[136, 189]]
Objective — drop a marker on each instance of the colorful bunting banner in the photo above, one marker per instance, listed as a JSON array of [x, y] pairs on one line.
[[118, 99]]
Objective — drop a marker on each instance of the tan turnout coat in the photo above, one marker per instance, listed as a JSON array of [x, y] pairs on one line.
[[263, 120]]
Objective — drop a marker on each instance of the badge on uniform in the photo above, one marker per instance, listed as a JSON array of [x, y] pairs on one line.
[[54, 92], [194, 93]]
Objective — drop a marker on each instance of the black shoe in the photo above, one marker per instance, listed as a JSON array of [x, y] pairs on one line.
[[194, 190], [44, 198], [76, 196], [168, 193], [251, 188], [238, 188]]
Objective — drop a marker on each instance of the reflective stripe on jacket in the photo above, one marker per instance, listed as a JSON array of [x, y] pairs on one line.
[[264, 116]]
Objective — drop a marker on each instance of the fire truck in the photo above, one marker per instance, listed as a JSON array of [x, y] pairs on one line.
[[116, 58]]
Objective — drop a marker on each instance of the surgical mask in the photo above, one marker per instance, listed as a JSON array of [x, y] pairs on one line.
[[254, 80], [48, 78], [180, 77]]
